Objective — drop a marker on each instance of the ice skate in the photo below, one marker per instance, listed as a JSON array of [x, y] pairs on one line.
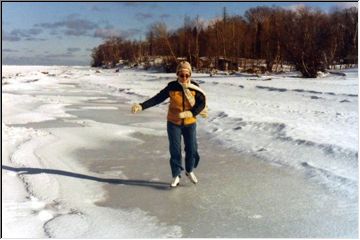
[[175, 182], [192, 177]]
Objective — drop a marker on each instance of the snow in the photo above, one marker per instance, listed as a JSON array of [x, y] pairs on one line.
[[306, 124], [46, 215], [285, 119]]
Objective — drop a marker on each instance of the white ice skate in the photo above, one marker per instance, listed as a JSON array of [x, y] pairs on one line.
[[175, 182], [192, 177]]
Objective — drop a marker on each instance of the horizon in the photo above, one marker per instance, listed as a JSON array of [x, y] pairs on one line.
[[64, 33]]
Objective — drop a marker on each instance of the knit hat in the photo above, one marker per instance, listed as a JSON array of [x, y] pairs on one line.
[[183, 65]]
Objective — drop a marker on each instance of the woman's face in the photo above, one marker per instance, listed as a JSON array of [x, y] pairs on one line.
[[184, 76]]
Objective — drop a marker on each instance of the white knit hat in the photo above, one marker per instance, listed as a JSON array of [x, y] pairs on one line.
[[183, 65]]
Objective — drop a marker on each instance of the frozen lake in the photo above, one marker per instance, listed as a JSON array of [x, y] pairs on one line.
[[76, 163]]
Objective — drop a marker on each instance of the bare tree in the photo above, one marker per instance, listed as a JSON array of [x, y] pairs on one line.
[[304, 41], [309, 39], [161, 32]]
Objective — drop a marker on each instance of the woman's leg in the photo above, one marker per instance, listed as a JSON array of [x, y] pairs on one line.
[[174, 136], [197, 156], [191, 154]]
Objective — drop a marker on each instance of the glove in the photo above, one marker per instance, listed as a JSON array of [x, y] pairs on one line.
[[186, 114], [136, 108]]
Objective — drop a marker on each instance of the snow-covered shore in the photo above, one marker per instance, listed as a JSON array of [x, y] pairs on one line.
[[308, 125]]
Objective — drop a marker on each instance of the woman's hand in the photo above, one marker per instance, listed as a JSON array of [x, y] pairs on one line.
[[186, 114], [136, 108]]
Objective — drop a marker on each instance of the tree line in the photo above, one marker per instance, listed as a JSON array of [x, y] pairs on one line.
[[308, 39]]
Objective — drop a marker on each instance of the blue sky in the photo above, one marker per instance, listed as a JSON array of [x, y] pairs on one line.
[[63, 33]]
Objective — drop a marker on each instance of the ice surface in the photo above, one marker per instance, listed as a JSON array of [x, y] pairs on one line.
[[309, 125], [39, 196]]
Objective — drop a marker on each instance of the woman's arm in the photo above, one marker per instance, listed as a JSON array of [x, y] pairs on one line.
[[200, 103], [158, 98]]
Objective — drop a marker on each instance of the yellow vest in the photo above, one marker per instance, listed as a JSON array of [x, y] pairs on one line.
[[178, 104]]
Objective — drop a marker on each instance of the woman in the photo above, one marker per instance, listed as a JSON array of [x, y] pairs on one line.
[[187, 100]]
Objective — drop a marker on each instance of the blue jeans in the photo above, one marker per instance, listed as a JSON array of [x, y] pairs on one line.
[[191, 153]]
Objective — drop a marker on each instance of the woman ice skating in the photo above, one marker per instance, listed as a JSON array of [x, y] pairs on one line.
[[187, 101]]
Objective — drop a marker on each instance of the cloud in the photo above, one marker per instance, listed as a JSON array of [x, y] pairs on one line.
[[162, 16], [53, 32], [8, 50], [10, 38], [143, 16], [35, 39], [98, 9], [74, 49], [72, 26], [106, 33], [33, 31], [45, 60], [62, 55], [77, 24], [151, 5], [50, 25], [76, 32], [22, 34], [131, 4], [131, 32]]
